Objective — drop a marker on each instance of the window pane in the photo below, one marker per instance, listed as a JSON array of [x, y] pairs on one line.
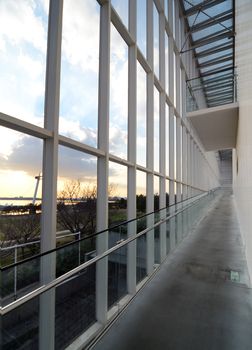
[[156, 40], [141, 25], [141, 115], [117, 193], [156, 129], [175, 148], [77, 185], [23, 36], [166, 64], [121, 7], [141, 192], [156, 192], [167, 137], [79, 71], [166, 8], [118, 95], [174, 80], [167, 193], [20, 194]]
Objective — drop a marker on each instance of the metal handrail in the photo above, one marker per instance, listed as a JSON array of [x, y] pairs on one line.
[[42, 289], [34, 242], [93, 235]]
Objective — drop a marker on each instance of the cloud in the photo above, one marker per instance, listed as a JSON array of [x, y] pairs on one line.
[[8, 139], [156, 41], [118, 177], [79, 71], [118, 80], [118, 141], [76, 165], [32, 67], [80, 36], [78, 104], [19, 24], [23, 33], [74, 130], [141, 101], [25, 155], [118, 95]]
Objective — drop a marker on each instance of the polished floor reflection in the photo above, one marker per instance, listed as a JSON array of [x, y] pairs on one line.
[[200, 299]]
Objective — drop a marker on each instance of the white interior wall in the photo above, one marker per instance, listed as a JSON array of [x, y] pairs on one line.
[[242, 157]]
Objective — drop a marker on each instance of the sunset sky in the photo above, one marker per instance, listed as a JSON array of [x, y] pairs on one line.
[[23, 35]]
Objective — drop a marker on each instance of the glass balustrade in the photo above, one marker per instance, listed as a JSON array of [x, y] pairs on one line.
[[70, 303]]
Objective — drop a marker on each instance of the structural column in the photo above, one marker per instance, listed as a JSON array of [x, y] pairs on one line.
[[171, 126], [50, 174], [131, 205], [102, 164], [184, 175], [171, 175], [189, 189], [178, 176], [150, 139], [162, 128]]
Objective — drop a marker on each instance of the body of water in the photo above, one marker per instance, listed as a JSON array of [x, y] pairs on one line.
[[10, 201]]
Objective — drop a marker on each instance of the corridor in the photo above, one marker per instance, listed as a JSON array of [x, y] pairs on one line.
[[199, 300]]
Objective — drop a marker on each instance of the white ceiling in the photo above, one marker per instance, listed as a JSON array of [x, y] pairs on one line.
[[216, 126]]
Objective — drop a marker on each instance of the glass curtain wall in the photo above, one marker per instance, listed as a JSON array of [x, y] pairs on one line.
[[88, 115]]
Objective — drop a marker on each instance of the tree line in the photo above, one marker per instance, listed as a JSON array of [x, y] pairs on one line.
[[76, 212]]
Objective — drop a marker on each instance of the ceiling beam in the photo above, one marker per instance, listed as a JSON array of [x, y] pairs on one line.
[[202, 6], [212, 72], [220, 78], [216, 71], [220, 94], [214, 50], [224, 80], [222, 103], [221, 17], [220, 99], [213, 88], [219, 87], [219, 103], [222, 34], [213, 84], [215, 61]]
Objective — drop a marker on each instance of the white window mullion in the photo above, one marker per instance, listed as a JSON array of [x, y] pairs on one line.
[[162, 128], [150, 137], [50, 174], [103, 164], [132, 103]]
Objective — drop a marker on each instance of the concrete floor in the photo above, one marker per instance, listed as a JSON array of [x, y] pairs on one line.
[[192, 302]]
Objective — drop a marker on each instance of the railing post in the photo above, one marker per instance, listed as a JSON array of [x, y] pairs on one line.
[[15, 272]]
